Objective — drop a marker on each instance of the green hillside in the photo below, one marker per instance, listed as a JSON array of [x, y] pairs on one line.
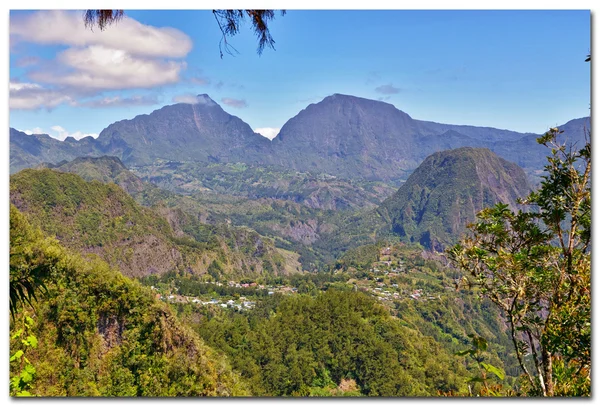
[[102, 219], [447, 190], [317, 235], [318, 191], [95, 332]]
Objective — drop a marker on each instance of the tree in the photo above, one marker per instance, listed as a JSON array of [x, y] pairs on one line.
[[101, 18], [32, 258], [535, 266], [229, 21]]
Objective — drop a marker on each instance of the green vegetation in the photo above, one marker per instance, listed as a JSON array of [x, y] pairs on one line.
[[97, 333], [317, 191], [303, 345], [219, 308], [317, 235], [98, 218], [443, 195], [536, 267], [424, 307]]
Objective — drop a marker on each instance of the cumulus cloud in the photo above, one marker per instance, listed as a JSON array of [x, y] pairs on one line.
[[31, 96], [127, 55], [387, 89], [101, 68], [237, 103], [61, 134], [188, 98], [67, 28], [267, 132], [18, 86], [118, 101]]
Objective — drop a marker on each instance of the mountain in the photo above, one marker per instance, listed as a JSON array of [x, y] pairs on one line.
[[110, 169], [530, 155], [345, 136], [27, 151], [105, 169], [103, 219], [292, 226], [447, 190], [350, 137], [353, 137], [201, 132]]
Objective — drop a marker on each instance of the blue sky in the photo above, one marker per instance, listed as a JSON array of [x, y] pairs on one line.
[[519, 70]]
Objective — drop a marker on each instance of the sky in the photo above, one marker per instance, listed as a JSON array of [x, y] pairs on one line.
[[517, 70]]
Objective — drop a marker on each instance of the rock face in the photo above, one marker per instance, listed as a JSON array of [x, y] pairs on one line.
[[447, 190], [352, 137], [183, 132], [345, 136], [201, 132]]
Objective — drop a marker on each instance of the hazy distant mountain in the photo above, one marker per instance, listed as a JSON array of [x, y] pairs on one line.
[[447, 190], [528, 154], [345, 136], [350, 137], [353, 137], [27, 151], [201, 132]]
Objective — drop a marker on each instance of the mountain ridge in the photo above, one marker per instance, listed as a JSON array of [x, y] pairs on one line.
[[345, 136], [97, 218]]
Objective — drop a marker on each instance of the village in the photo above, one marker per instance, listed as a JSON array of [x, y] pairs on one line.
[[389, 279], [234, 301], [382, 281]]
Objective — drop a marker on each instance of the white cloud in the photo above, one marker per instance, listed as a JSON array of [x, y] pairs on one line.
[[126, 55], [36, 130], [101, 68], [387, 89], [187, 98], [17, 86], [31, 96], [61, 134], [267, 132], [68, 28], [190, 98]]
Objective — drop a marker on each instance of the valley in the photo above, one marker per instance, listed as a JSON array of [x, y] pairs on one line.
[[314, 264]]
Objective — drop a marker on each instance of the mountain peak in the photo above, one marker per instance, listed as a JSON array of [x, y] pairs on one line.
[[340, 97], [447, 190], [205, 99]]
